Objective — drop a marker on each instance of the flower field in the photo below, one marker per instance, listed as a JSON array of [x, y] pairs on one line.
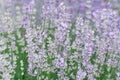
[[59, 39]]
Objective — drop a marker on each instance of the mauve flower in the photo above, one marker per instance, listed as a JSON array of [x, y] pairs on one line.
[[60, 73], [81, 74], [66, 78], [2, 29], [118, 24]]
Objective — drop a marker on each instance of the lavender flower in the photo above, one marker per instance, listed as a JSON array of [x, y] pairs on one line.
[[59, 40]]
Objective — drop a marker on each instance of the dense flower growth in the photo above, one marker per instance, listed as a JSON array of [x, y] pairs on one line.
[[59, 40]]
